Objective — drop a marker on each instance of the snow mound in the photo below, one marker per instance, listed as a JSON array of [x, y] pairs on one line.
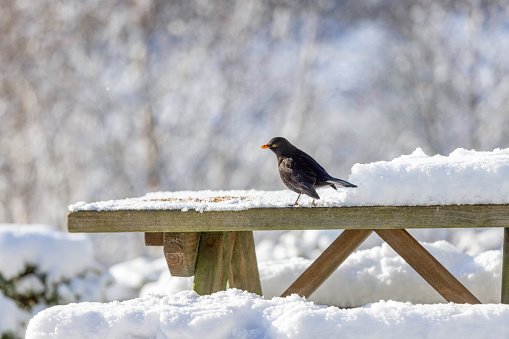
[[238, 314], [463, 177], [12, 319], [59, 255], [41, 267]]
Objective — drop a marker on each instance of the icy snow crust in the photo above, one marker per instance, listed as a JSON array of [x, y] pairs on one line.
[[463, 177]]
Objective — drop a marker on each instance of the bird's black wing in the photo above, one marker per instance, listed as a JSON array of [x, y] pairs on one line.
[[322, 177], [298, 176]]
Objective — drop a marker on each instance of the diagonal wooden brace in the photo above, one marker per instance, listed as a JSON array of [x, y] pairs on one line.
[[427, 266], [327, 262]]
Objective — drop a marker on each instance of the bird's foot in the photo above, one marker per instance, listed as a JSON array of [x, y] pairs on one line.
[[314, 203], [296, 201]]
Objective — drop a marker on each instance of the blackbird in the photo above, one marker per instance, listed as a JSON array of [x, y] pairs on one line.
[[299, 171]]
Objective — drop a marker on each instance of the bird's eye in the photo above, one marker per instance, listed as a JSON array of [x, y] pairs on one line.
[[274, 146]]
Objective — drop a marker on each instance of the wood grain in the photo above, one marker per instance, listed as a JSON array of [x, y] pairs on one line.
[[244, 268], [230, 243], [505, 268], [374, 217], [427, 266], [212, 263], [180, 251], [327, 262]]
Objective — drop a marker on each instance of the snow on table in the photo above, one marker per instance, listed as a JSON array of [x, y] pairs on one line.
[[237, 314], [463, 177]]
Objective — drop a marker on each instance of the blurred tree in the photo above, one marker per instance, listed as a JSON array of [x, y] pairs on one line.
[[102, 100]]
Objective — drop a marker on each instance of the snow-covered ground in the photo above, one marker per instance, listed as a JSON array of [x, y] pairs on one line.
[[373, 294], [238, 314], [41, 267], [158, 305]]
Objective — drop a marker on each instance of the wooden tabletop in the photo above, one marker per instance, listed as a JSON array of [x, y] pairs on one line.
[[291, 218]]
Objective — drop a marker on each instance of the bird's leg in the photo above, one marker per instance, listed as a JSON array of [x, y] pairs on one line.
[[313, 202], [295, 203]]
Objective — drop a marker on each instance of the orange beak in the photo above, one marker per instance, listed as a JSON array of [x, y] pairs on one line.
[[265, 146]]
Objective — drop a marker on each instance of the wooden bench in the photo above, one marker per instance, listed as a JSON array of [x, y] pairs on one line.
[[218, 247]]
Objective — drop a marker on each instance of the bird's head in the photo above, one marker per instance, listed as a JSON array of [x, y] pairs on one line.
[[278, 145]]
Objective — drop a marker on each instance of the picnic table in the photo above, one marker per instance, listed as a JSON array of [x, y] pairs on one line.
[[217, 247]]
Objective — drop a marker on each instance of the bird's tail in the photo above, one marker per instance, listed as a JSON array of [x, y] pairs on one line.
[[340, 182]]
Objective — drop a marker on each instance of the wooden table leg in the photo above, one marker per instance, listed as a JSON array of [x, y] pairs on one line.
[[244, 269], [505, 268], [327, 262], [427, 266], [226, 257], [210, 275]]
